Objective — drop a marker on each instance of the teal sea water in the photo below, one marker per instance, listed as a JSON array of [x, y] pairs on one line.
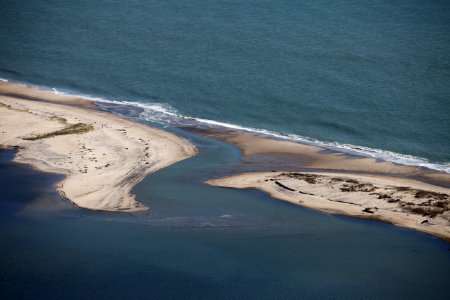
[[371, 78], [202, 242]]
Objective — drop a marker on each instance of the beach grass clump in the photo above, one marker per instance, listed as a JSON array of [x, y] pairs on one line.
[[426, 211], [431, 207], [309, 178], [352, 181], [432, 195], [77, 128], [358, 187]]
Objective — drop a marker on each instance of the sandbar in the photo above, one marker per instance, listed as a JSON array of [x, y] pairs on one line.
[[103, 156], [400, 201], [262, 152]]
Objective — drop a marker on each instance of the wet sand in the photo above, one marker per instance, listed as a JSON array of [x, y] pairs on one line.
[[261, 152]]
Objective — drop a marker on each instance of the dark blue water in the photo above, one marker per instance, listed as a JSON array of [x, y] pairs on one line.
[[369, 74], [202, 242]]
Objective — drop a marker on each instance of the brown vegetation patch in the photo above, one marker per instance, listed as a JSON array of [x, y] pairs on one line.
[[352, 181], [425, 203], [431, 207], [392, 200], [428, 194], [358, 187], [425, 211], [77, 128], [59, 119], [337, 179], [402, 188], [309, 178]]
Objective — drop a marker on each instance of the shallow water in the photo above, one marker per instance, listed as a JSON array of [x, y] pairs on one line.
[[367, 74], [202, 242]]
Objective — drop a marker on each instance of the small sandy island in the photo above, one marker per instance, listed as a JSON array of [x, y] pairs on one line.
[[400, 201], [102, 156]]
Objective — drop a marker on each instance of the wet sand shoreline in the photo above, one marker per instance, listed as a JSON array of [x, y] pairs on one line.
[[268, 153]]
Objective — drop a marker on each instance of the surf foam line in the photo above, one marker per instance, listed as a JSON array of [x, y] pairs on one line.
[[164, 114], [153, 113]]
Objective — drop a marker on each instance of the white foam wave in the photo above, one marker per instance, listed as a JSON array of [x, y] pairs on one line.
[[153, 113], [4, 80], [165, 114]]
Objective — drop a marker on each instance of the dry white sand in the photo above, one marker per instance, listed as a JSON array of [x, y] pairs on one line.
[[102, 165], [400, 201]]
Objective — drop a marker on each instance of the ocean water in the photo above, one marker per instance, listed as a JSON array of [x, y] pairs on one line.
[[371, 78], [202, 242]]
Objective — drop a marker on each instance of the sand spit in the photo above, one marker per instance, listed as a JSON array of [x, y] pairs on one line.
[[25, 92], [276, 154], [400, 201], [102, 155]]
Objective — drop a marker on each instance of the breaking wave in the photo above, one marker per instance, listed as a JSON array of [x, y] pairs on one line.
[[166, 115]]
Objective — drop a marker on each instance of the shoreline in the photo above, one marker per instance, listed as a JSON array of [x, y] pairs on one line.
[[124, 152], [175, 119], [265, 158], [399, 201], [267, 154], [224, 130], [103, 156]]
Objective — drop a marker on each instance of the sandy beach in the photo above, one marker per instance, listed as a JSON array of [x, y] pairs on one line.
[[102, 156], [399, 201]]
